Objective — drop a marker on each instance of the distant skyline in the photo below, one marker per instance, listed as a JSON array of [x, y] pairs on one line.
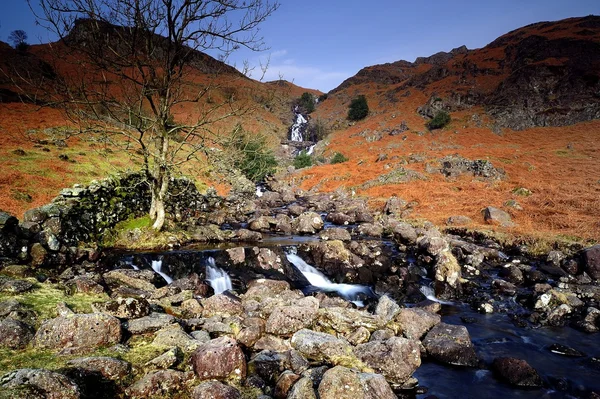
[[318, 44]]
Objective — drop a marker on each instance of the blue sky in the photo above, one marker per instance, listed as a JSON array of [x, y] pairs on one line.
[[319, 43]]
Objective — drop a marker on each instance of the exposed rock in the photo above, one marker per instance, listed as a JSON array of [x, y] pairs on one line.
[[151, 323], [286, 320], [14, 334], [451, 344], [340, 218], [497, 216], [455, 165], [84, 285], [591, 322], [516, 372], [382, 335], [405, 233], [223, 305], [79, 332], [395, 206], [236, 255], [324, 347], [307, 223], [49, 384], [335, 234], [175, 336], [262, 223], [140, 279], [269, 365], [386, 308], [359, 336], [124, 308], [110, 368], [215, 390], [346, 320], [14, 286], [376, 387], [220, 359], [159, 384], [284, 383], [459, 220], [302, 389], [170, 358], [591, 261], [396, 358], [415, 322]]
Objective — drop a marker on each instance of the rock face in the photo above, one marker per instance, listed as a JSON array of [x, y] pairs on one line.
[[451, 344], [219, 359], [79, 332], [47, 383], [516, 372], [396, 358]]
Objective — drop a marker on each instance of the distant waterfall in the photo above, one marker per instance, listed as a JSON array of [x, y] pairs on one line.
[[217, 277], [157, 267], [298, 127], [352, 292]]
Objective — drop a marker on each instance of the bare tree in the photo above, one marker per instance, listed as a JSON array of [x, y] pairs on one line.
[[132, 59], [18, 38]]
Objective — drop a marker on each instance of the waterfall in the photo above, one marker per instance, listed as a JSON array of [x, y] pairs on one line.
[[157, 267], [350, 292], [429, 294], [298, 127], [311, 149], [217, 277]]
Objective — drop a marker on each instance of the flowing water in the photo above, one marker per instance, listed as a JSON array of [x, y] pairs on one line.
[[298, 127], [157, 267], [218, 278]]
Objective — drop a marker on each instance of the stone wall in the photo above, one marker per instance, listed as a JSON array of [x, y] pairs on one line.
[[52, 233]]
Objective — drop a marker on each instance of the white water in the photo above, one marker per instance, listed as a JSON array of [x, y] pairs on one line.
[[311, 149], [259, 191], [429, 294], [217, 277], [317, 279], [157, 267], [297, 128]]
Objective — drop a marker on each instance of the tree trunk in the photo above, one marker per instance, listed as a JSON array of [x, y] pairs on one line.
[[160, 187]]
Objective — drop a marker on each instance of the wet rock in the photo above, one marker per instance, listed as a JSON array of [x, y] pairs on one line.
[[332, 256], [447, 275], [223, 305], [48, 384], [497, 216], [170, 358], [591, 261], [151, 323], [512, 273], [78, 332], [370, 229], [335, 234], [396, 358], [308, 223], [110, 368], [215, 390], [262, 223], [405, 233], [504, 287], [237, 255], [161, 383], [302, 389], [174, 335], [340, 218], [139, 279], [459, 220], [296, 210], [565, 350], [286, 320], [14, 334], [124, 308], [451, 344], [516, 372], [220, 359], [413, 323], [591, 322], [246, 235], [269, 365], [324, 347]]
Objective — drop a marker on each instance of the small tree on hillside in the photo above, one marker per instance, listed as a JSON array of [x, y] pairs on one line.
[[359, 109], [128, 80], [307, 102], [18, 38]]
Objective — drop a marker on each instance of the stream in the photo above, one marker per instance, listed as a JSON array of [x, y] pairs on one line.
[[493, 335]]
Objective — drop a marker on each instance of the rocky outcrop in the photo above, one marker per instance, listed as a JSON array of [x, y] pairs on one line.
[[451, 344], [396, 358], [220, 359]]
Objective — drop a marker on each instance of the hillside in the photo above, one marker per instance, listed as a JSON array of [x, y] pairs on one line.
[[528, 102]]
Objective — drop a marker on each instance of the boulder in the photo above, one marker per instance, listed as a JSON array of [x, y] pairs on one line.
[[370, 229], [79, 332], [308, 223], [223, 305], [284, 383], [14, 334], [413, 323], [459, 220], [324, 347], [591, 261], [497, 216], [405, 233], [219, 359], [47, 384], [124, 308], [335, 233], [395, 206], [139, 279], [386, 308], [151, 323], [451, 344], [215, 390], [169, 359], [340, 218], [110, 368], [159, 384], [302, 389], [174, 336], [516, 372], [342, 383], [286, 320], [347, 320], [396, 358]]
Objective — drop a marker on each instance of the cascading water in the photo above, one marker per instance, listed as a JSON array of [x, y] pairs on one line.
[[157, 267], [430, 294], [311, 149], [217, 277], [350, 292], [298, 127]]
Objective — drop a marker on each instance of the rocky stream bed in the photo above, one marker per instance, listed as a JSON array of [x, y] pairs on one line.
[[297, 295]]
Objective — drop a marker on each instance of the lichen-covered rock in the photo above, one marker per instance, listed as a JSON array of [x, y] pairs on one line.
[[346, 320], [223, 305], [497, 216], [308, 223], [151, 323], [110, 368], [370, 229], [124, 308], [516, 372], [170, 358], [324, 347], [342, 383], [215, 390], [79, 332], [335, 233], [50, 384], [396, 358], [140, 279], [284, 383], [174, 335], [413, 323], [160, 384], [14, 334], [286, 320], [386, 308], [219, 359], [451, 344], [302, 389]]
